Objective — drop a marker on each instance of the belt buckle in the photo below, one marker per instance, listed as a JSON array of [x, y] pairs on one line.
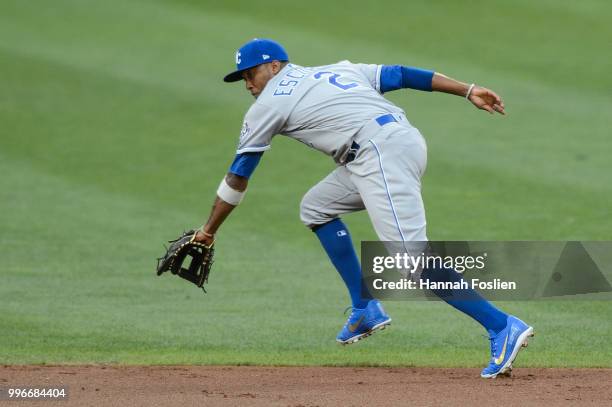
[[352, 152]]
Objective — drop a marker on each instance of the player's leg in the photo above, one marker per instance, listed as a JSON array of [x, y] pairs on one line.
[[388, 175], [320, 210], [507, 333]]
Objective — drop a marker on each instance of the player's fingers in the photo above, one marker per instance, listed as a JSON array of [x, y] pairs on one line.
[[490, 94], [495, 96], [499, 109], [487, 108]]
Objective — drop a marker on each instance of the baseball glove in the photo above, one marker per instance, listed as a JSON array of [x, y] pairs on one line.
[[177, 254]]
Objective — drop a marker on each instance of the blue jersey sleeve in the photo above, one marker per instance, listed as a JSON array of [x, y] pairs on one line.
[[394, 77], [244, 164]]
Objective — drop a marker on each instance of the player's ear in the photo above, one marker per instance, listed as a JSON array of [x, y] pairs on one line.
[[276, 67]]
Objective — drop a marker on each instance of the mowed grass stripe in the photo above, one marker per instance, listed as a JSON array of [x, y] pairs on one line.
[[543, 41]]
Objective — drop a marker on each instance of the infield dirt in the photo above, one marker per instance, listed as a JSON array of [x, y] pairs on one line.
[[308, 386]]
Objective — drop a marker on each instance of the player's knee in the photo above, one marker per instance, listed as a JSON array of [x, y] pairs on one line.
[[309, 214], [306, 211]]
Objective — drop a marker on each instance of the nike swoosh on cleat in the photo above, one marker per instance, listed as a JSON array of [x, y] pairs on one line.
[[353, 327], [500, 359]]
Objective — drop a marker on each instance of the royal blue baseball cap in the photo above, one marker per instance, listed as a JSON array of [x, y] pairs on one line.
[[256, 52]]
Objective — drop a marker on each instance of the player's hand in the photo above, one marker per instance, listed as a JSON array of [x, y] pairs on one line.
[[486, 99], [202, 238]]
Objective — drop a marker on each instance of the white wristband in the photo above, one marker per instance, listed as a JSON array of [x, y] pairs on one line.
[[229, 194], [469, 92]]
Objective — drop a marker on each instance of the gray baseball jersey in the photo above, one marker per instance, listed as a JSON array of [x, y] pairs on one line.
[[330, 108], [309, 104]]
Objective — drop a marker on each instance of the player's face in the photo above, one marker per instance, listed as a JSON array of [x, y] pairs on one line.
[[257, 77]]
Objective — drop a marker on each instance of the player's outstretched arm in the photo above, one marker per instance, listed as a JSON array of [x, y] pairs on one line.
[[229, 194], [221, 209], [480, 97]]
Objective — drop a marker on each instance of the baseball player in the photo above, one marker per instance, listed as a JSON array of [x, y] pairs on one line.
[[339, 109]]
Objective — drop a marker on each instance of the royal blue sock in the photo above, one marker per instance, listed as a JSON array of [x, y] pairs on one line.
[[467, 300], [336, 241]]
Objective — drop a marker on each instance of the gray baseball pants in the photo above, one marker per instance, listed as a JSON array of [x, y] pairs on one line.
[[384, 178]]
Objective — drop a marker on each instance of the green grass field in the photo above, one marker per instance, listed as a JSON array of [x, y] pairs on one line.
[[115, 129]]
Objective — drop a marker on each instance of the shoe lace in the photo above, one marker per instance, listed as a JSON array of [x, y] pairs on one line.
[[492, 344], [350, 315]]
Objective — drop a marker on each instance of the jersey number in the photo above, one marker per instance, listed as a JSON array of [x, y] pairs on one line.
[[333, 80]]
